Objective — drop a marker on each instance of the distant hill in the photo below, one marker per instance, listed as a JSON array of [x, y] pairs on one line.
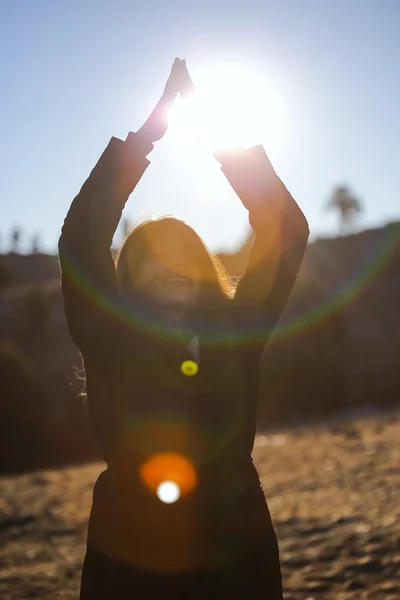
[[31, 269]]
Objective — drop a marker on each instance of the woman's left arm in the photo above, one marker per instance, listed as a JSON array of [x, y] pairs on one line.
[[281, 235]]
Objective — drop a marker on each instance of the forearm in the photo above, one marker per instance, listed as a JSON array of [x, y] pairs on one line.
[[272, 209], [157, 121], [281, 230], [252, 176]]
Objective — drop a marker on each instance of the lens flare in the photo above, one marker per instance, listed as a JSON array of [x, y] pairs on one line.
[[168, 475], [189, 368], [168, 492], [231, 106]]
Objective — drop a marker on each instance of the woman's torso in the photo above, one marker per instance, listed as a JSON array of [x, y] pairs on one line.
[[206, 419]]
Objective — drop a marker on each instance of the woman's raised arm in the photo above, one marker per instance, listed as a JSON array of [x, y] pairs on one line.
[[87, 267], [281, 235], [88, 273]]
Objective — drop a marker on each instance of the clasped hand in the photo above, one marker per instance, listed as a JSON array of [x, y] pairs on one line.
[[179, 81]]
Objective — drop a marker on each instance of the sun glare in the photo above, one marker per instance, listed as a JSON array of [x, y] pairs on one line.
[[168, 492], [232, 106]]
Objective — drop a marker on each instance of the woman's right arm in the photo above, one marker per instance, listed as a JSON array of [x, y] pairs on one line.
[[87, 267], [88, 272]]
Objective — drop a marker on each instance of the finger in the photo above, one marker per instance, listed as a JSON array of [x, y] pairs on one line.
[[180, 72], [174, 69], [188, 87], [175, 79], [176, 64]]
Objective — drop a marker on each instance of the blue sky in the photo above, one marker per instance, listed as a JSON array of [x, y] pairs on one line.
[[75, 73]]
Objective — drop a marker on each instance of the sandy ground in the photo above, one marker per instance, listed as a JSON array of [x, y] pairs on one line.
[[333, 492]]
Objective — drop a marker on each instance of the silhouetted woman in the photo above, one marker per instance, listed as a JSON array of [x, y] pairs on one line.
[[172, 356]]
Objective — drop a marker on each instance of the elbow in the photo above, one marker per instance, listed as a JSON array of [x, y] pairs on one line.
[[301, 222], [303, 233], [304, 224], [306, 230], [61, 251], [63, 239], [75, 223], [60, 247], [68, 242], [297, 225]]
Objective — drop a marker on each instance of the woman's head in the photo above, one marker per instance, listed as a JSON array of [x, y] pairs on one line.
[[166, 259]]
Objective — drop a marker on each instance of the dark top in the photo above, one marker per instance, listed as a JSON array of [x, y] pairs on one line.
[[140, 402]]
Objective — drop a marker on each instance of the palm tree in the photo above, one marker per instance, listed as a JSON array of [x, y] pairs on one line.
[[347, 206]]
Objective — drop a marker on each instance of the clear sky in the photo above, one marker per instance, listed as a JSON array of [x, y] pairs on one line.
[[75, 73]]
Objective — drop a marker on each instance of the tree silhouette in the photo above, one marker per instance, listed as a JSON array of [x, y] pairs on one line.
[[15, 239], [35, 244], [347, 206]]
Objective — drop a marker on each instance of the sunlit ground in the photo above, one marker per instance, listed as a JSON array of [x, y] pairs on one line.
[[333, 493]]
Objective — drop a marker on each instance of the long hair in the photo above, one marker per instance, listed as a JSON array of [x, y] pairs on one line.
[[214, 282]]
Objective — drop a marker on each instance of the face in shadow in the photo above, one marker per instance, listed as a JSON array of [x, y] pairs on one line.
[[167, 273]]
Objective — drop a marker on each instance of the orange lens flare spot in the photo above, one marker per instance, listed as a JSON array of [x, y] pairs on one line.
[[171, 468], [189, 368]]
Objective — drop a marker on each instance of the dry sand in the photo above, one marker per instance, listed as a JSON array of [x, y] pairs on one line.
[[333, 493]]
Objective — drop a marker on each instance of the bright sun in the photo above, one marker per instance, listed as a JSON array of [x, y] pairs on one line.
[[231, 107]]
